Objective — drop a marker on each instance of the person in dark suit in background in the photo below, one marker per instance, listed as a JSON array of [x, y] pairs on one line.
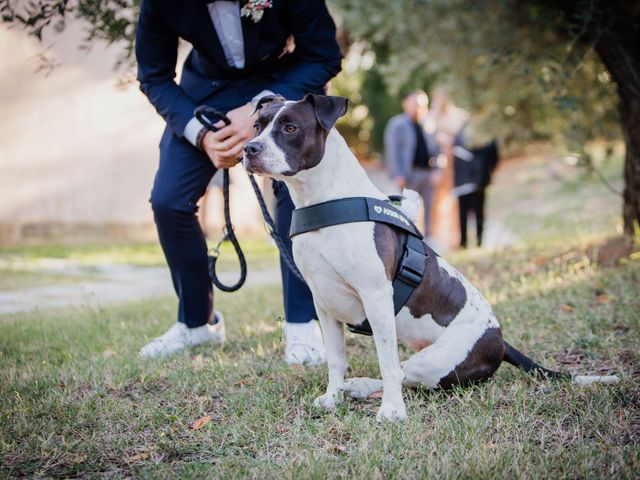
[[241, 52], [472, 174], [412, 153]]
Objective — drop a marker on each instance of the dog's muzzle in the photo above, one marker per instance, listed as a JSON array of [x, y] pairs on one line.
[[253, 149], [251, 160]]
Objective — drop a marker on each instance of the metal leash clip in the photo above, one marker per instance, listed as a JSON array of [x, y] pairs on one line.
[[215, 251]]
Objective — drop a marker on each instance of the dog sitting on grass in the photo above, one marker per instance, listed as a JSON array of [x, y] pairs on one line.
[[350, 268]]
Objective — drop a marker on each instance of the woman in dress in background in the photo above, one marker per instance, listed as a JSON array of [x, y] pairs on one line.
[[448, 120]]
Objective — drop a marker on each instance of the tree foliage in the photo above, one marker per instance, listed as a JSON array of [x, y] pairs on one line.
[[110, 21], [525, 69], [511, 63]]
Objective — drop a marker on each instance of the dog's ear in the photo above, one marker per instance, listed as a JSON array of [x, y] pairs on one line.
[[268, 99], [328, 109]]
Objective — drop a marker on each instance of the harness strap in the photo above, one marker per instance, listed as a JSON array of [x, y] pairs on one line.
[[349, 210], [409, 274]]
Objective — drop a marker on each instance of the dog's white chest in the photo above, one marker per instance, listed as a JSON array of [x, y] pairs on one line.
[[338, 262]]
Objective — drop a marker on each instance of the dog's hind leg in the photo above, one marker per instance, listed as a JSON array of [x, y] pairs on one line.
[[333, 334], [432, 367], [362, 387], [463, 354], [454, 359]]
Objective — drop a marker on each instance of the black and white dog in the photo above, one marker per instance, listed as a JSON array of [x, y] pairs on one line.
[[350, 268]]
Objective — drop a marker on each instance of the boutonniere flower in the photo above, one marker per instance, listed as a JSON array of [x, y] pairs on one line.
[[255, 9]]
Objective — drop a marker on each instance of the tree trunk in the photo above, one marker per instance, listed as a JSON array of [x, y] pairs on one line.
[[618, 46], [630, 114], [614, 28]]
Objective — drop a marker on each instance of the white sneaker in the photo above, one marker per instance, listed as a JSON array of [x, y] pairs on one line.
[[179, 336], [304, 344]]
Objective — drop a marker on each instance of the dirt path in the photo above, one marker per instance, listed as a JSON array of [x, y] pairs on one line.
[[119, 283]]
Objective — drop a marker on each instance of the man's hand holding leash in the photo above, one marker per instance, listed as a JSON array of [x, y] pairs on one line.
[[224, 147]]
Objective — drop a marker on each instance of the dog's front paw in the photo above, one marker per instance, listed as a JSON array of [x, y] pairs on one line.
[[391, 412], [328, 401]]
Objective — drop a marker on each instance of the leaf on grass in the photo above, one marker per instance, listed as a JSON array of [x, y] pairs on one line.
[[377, 394], [197, 362], [282, 429], [201, 422], [108, 353], [567, 308], [338, 448], [139, 456], [604, 298]]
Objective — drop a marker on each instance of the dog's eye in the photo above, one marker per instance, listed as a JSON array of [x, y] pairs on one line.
[[256, 127], [289, 128]]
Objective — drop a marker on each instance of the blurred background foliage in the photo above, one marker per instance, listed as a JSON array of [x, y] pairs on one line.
[[513, 64], [527, 71]]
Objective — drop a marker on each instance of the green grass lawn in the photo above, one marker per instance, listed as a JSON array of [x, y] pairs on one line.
[[259, 251], [30, 266], [76, 401], [545, 201]]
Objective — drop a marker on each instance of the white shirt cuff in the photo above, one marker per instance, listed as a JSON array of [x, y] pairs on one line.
[[191, 130]]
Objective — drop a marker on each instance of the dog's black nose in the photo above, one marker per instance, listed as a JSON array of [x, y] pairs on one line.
[[253, 148]]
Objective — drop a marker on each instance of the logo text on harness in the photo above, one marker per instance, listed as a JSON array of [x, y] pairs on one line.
[[391, 213]]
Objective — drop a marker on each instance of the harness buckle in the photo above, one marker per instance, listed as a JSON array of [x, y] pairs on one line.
[[412, 266], [409, 276]]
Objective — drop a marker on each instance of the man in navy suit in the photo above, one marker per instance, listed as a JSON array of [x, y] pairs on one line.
[[241, 52]]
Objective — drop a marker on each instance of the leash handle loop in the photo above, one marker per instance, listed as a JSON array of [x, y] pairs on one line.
[[228, 234], [209, 116]]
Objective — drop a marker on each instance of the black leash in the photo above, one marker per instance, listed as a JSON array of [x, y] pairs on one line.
[[208, 116], [271, 228], [228, 234]]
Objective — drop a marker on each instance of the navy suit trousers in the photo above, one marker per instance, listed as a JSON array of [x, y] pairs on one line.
[[182, 178]]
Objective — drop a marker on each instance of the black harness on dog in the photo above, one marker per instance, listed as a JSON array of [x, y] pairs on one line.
[[413, 262]]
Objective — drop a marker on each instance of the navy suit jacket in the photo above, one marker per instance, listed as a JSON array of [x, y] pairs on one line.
[[206, 76]]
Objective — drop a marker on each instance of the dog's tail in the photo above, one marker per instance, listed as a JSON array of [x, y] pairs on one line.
[[410, 204], [521, 361]]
